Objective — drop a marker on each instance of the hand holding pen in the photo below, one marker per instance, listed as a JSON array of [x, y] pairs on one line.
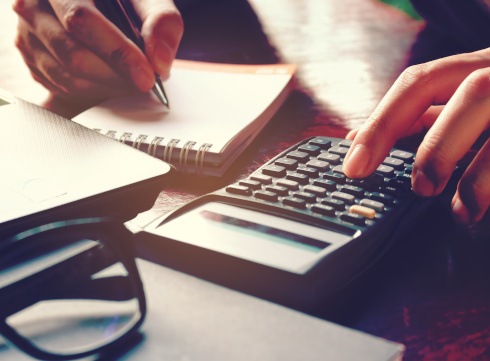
[[75, 51]]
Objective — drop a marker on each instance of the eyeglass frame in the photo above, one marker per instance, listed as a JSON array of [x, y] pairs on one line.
[[107, 231]]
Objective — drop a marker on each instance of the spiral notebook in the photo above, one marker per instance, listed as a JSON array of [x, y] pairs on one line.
[[216, 110]]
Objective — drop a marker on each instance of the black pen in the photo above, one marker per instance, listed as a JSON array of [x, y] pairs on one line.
[[123, 17]]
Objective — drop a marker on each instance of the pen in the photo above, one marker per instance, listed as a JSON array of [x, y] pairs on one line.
[[123, 17]]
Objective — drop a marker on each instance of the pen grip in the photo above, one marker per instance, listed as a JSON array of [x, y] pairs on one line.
[[121, 13]]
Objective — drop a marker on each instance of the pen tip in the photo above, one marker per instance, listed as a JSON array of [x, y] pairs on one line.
[[160, 93]]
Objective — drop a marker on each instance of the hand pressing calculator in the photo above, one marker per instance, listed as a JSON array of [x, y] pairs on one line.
[[296, 230]]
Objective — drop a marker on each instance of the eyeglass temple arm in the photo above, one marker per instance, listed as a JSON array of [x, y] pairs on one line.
[[81, 285]]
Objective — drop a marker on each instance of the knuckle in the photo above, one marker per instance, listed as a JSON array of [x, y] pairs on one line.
[[417, 76], [64, 50], [436, 157], [56, 74], [76, 17], [477, 84], [20, 7], [122, 57]]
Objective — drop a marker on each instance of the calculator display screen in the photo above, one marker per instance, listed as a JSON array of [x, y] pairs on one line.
[[271, 233], [253, 235]]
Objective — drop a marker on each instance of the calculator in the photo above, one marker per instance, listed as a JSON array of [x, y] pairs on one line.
[[295, 231]]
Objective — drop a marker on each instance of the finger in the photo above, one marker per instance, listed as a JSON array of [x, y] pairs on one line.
[[47, 71], [352, 134], [412, 94], [426, 120], [472, 198], [85, 23], [423, 123], [463, 120], [74, 58], [162, 30]]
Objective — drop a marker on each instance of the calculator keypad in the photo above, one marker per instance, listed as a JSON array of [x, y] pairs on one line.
[[309, 179]]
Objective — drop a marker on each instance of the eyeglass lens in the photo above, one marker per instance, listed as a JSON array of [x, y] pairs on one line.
[[66, 296]]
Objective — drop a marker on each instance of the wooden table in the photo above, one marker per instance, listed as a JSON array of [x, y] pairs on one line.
[[431, 292]]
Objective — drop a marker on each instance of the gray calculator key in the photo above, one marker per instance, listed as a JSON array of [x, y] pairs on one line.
[[339, 150], [377, 206], [347, 198], [386, 170], [262, 178], [400, 154], [290, 184], [330, 157], [321, 165], [394, 162]]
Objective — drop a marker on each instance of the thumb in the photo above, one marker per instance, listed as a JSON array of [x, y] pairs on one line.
[[162, 29]]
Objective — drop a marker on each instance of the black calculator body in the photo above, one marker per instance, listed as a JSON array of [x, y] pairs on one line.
[[295, 231]]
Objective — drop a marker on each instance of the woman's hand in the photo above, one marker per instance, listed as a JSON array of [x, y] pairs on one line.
[[76, 52], [451, 96]]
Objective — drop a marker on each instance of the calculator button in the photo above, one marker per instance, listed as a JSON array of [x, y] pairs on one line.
[[308, 197], [336, 177], [321, 165], [298, 177], [321, 142], [287, 163], [262, 178], [405, 156], [362, 211], [342, 151], [394, 162], [290, 184], [345, 143], [252, 184], [370, 183], [353, 218], [294, 202], [329, 157], [282, 191], [347, 198], [312, 150], [381, 197], [385, 170], [325, 183], [355, 191], [239, 189], [377, 206], [334, 203], [400, 182], [391, 190], [323, 209], [266, 196], [408, 169], [299, 156], [319, 191], [338, 169], [309, 171], [274, 171]]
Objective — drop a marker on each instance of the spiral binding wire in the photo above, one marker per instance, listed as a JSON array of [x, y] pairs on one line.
[[156, 142], [184, 152]]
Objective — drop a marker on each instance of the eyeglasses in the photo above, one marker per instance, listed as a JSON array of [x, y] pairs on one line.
[[69, 289]]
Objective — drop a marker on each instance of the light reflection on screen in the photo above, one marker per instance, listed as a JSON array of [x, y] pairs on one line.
[[264, 230]]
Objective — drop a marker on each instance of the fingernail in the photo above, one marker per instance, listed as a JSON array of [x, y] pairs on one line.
[[421, 184], [143, 79], [357, 161], [460, 212]]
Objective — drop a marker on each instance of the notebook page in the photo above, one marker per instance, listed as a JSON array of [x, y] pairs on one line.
[[209, 103]]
